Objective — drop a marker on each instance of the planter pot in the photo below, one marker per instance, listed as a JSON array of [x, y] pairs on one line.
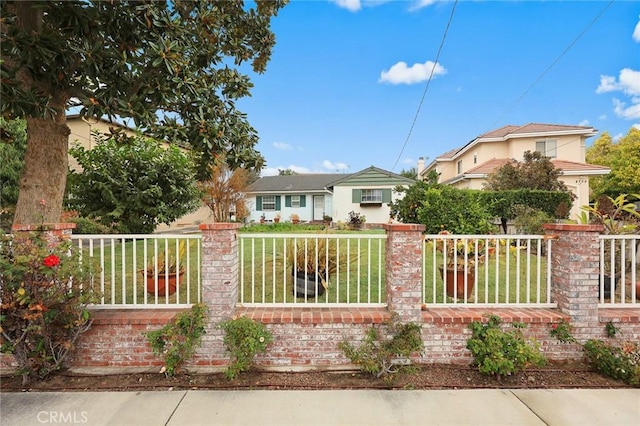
[[307, 287], [637, 290], [456, 277], [163, 284], [276, 220]]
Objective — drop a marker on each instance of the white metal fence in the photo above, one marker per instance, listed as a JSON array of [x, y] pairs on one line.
[[619, 271], [144, 270], [487, 270], [318, 269]]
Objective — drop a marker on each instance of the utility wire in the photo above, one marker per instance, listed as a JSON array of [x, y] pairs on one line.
[[424, 93], [541, 76]]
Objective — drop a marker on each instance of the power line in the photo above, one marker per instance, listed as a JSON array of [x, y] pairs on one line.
[[564, 52], [424, 93]]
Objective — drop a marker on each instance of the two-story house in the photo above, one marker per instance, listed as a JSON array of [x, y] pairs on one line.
[[469, 166]]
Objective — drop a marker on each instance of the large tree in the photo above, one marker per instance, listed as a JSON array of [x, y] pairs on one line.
[[169, 66], [224, 192], [535, 172], [623, 157]]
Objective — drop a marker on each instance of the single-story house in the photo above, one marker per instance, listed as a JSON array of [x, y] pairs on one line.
[[315, 196]]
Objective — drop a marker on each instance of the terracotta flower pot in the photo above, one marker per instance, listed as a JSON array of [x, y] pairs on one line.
[[457, 277], [163, 284]]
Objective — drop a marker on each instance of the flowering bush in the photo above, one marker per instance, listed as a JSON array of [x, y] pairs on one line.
[[45, 292], [243, 339]]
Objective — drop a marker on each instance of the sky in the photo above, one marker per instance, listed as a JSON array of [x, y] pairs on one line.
[[355, 83]]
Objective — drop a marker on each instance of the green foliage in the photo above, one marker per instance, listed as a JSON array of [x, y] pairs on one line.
[[622, 157], [45, 293], [356, 220], [618, 215], [528, 220], [243, 339], [498, 352], [562, 332], [611, 330], [460, 211], [132, 184], [86, 226], [555, 204], [619, 362], [12, 150], [535, 172], [386, 349], [178, 341]]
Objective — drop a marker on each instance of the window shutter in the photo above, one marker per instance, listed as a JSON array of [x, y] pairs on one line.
[[258, 203], [287, 200], [303, 201], [356, 196], [386, 195], [278, 204]]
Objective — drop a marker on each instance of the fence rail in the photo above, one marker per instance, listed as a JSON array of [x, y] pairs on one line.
[[619, 271], [130, 269], [319, 269], [487, 270]]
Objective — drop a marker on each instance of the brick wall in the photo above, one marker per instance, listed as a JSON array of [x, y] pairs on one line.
[[308, 338]]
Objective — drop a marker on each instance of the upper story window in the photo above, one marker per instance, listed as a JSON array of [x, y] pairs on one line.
[[459, 167], [268, 202], [547, 147], [371, 196]]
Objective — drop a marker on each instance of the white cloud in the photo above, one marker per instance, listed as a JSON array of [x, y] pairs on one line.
[[275, 171], [583, 123], [628, 82], [636, 32], [335, 167], [422, 3], [400, 73], [602, 117], [282, 146], [617, 137], [629, 113], [351, 5], [636, 126]]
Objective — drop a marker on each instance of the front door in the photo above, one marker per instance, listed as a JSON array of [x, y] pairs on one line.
[[318, 207]]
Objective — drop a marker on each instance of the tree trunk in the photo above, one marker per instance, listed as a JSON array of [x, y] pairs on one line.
[[44, 176]]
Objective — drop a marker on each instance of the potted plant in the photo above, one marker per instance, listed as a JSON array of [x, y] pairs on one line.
[[295, 218], [619, 217], [168, 269], [326, 219], [460, 257], [276, 218], [313, 261], [263, 218], [356, 220]]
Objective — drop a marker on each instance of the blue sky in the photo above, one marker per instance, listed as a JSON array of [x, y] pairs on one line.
[[345, 82]]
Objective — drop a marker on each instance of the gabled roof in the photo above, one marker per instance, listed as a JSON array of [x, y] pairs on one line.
[[294, 183], [372, 175]]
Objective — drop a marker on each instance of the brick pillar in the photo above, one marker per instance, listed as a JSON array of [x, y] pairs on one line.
[[219, 286], [575, 266], [403, 270], [54, 232]]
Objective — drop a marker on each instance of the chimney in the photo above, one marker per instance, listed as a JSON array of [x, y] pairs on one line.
[[420, 167]]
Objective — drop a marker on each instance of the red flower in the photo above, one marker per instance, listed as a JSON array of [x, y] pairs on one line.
[[51, 261]]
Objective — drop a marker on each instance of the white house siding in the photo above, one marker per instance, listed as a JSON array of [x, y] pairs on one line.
[[343, 204], [304, 213]]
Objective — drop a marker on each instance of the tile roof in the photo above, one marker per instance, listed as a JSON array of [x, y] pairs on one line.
[[533, 128], [294, 183]]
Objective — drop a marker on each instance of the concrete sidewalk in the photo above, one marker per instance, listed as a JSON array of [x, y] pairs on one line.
[[579, 407]]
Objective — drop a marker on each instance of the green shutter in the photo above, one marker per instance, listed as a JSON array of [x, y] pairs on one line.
[[278, 202], [303, 201], [386, 195], [287, 200], [356, 196], [258, 203]]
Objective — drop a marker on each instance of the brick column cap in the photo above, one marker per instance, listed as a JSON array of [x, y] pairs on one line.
[[43, 227], [404, 227], [219, 226], [575, 227]]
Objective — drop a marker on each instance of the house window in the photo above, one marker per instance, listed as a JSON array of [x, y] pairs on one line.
[[371, 196], [459, 167], [547, 147], [268, 202], [295, 201]]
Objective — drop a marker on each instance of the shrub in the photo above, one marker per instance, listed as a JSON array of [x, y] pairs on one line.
[[562, 332], [619, 362], [86, 226], [177, 342], [243, 339], [45, 293], [386, 349], [498, 352]]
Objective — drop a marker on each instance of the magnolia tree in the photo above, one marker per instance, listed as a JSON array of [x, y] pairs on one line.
[[168, 67]]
